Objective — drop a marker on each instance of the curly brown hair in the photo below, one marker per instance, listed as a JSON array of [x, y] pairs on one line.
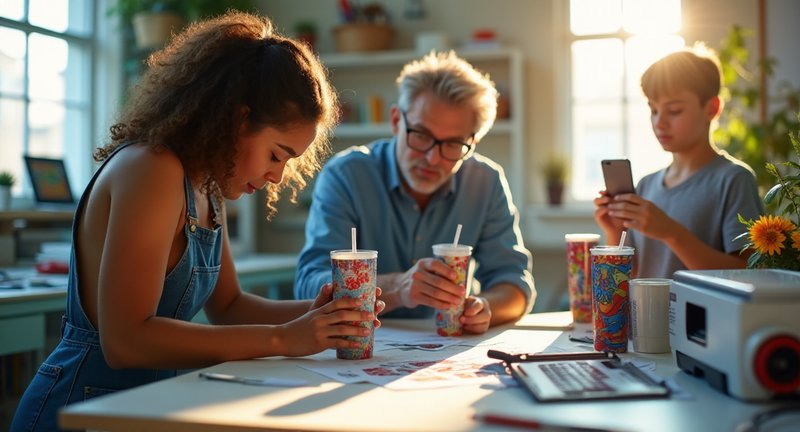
[[190, 100]]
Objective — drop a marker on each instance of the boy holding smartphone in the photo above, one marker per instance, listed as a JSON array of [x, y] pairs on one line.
[[685, 215]]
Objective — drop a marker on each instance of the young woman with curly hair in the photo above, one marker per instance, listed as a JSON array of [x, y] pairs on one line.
[[228, 107]]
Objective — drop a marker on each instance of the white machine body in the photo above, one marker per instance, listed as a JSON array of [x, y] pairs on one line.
[[739, 330]]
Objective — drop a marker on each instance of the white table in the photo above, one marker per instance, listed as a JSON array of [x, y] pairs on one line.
[[188, 403]]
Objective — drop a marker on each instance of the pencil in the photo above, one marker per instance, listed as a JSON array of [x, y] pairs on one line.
[[504, 420]]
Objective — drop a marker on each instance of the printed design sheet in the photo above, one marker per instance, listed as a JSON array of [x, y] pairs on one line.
[[445, 362]]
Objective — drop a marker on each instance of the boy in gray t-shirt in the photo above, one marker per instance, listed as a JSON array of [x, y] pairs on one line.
[[684, 216]]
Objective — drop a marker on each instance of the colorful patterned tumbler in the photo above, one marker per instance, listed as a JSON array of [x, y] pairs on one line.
[[354, 274], [611, 273], [579, 275]]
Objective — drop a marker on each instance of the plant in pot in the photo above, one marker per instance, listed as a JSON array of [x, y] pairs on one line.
[[306, 31], [7, 180], [555, 170], [153, 21]]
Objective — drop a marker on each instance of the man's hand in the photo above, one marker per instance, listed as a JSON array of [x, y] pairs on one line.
[[477, 315], [429, 282]]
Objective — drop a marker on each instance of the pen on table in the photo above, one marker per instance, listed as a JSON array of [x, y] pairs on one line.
[[555, 356], [504, 420], [276, 382]]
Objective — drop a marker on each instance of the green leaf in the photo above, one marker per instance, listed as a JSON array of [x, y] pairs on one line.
[[741, 236], [772, 193]]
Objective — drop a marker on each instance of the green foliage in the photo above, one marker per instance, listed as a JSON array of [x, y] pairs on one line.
[[199, 9], [126, 9], [782, 202], [783, 199], [7, 178], [190, 10], [555, 168], [741, 132]]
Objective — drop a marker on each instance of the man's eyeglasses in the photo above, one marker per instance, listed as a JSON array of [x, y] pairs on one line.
[[448, 149]]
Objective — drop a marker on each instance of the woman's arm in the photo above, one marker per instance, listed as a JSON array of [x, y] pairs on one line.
[[146, 201]]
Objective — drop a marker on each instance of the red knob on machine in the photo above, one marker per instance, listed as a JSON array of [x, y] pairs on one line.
[[777, 364]]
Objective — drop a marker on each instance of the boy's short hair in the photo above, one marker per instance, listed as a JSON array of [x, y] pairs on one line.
[[695, 69]]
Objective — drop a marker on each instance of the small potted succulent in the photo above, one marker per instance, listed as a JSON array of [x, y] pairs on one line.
[[555, 170], [7, 180]]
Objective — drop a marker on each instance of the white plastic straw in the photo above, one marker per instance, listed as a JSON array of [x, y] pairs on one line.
[[458, 234], [622, 239], [353, 237]]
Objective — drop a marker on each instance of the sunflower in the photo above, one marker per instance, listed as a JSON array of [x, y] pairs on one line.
[[769, 232]]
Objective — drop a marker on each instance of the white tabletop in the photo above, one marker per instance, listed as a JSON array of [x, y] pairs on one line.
[[189, 403]]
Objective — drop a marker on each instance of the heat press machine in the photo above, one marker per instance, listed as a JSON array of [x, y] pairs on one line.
[[739, 330]]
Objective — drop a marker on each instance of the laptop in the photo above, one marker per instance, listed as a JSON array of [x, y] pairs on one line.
[[51, 188], [552, 377]]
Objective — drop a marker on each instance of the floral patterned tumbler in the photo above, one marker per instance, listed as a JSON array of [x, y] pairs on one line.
[[579, 275], [354, 274], [457, 256]]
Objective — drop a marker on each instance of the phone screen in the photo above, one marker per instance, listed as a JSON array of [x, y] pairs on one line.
[[618, 177]]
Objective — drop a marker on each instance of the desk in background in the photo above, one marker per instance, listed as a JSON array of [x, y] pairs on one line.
[[23, 312], [187, 403]]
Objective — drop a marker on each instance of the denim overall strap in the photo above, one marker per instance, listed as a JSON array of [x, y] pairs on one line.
[[190, 283]]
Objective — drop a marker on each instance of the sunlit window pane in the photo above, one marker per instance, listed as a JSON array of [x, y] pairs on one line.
[[11, 138], [651, 16], [644, 151], [597, 134], [595, 16], [46, 120], [642, 51], [45, 84], [48, 63], [12, 61], [12, 9], [597, 67], [61, 15], [610, 117], [49, 14], [78, 74]]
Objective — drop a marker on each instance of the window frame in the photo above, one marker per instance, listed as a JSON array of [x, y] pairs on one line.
[[626, 100], [103, 69]]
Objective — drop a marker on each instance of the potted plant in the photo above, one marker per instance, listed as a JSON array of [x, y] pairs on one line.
[[153, 21], [555, 170], [306, 31], [7, 180]]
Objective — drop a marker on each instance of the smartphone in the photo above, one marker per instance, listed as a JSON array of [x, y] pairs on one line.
[[618, 177]]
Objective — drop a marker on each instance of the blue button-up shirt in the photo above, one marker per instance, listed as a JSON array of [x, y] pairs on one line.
[[360, 187]]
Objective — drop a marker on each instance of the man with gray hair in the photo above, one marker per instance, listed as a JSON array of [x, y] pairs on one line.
[[409, 192]]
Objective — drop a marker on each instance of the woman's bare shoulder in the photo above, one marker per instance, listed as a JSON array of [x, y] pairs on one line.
[[139, 173]]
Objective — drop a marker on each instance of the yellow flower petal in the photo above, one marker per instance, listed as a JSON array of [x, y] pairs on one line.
[[796, 240], [767, 234]]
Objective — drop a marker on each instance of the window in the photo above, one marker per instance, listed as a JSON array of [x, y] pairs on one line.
[[611, 43], [46, 57]]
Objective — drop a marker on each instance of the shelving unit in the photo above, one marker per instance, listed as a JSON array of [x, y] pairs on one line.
[[358, 76]]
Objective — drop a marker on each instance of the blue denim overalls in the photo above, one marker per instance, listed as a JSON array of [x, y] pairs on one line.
[[76, 370]]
